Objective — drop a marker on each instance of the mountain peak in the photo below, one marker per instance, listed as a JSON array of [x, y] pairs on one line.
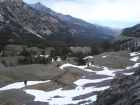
[[39, 3], [78, 24], [24, 21]]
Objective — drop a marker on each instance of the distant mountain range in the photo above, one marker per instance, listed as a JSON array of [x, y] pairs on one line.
[[81, 26], [129, 35], [131, 31], [18, 19]]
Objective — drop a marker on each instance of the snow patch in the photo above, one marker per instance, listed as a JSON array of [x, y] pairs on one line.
[[82, 82], [88, 57], [135, 58], [129, 73], [19, 85], [83, 76], [0, 53], [134, 53], [52, 60], [34, 33], [136, 65], [59, 59], [106, 71], [44, 56], [47, 56], [67, 65]]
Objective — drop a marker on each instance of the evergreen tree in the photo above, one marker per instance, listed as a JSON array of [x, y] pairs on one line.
[[58, 64], [81, 61], [55, 58], [43, 52]]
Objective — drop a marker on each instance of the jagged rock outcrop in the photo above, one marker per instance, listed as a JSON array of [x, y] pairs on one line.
[[124, 90]]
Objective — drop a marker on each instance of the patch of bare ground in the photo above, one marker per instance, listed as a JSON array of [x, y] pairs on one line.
[[99, 84], [84, 96], [115, 60], [2, 66], [81, 73], [28, 72], [10, 61], [12, 50], [64, 81], [48, 86], [78, 49], [55, 63], [14, 97], [37, 103], [5, 80]]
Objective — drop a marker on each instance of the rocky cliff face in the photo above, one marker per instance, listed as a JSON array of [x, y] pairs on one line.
[[124, 90], [20, 20]]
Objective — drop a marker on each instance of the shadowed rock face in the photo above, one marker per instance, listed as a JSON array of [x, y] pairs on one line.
[[124, 90], [36, 103], [132, 31]]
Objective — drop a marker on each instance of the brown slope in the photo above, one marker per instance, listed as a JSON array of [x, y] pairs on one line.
[[20, 19]]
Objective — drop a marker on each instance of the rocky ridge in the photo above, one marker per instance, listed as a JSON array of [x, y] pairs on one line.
[[131, 31], [20, 20], [124, 90], [80, 25]]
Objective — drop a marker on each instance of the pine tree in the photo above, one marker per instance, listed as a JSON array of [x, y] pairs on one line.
[[55, 58], [92, 62], [58, 64], [43, 52]]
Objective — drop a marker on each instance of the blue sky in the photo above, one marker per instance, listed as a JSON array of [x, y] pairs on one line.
[[112, 13]]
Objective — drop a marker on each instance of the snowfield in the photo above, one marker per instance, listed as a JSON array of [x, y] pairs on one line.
[[66, 96], [136, 65], [82, 82]]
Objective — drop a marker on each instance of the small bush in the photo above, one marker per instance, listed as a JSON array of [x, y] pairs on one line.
[[58, 64]]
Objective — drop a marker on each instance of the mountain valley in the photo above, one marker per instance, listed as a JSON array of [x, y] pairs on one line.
[[80, 25], [47, 58]]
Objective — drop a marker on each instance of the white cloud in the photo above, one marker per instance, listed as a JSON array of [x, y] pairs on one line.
[[105, 10]]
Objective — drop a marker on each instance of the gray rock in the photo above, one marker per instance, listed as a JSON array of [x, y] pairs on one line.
[[37, 103], [125, 90]]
